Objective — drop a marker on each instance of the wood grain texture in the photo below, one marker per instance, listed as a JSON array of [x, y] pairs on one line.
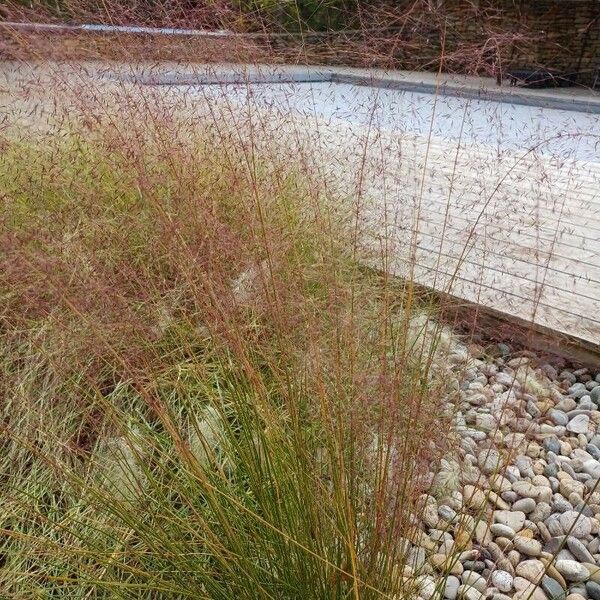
[[516, 232]]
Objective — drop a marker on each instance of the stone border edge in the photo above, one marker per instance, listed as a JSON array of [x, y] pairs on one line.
[[333, 76]]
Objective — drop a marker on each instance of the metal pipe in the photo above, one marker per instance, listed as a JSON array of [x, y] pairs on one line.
[[64, 28], [135, 29]]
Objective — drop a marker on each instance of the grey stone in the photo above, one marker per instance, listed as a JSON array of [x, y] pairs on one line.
[[594, 545], [532, 409], [531, 570], [525, 466], [575, 524], [583, 372], [489, 460], [552, 444], [567, 468], [473, 579], [447, 547], [593, 450], [502, 581], [565, 554], [578, 411], [593, 590], [549, 371], [578, 550], [560, 504], [505, 379], [468, 592], [553, 589], [527, 546], [513, 519], [571, 488], [584, 508], [576, 462], [566, 404], [545, 491], [446, 513], [553, 525], [474, 565], [554, 544], [526, 505], [579, 424], [589, 486], [485, 422], [530, 525], [571, 570], [541, 512], [592, 468], [451, 588], [586, 403], [468, 555], [526, 489], [500, 530], [543, 530], [512, 474], [568, 376], [500, 596], [427, 586], [577, 390], [558, 417], [416, 558], [509, 496]]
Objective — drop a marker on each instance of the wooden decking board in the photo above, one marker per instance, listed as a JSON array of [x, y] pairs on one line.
[[583, 200], [544, 230], [530, 225], [529, 221], [506, 260], [509, 266], [491, 275], [547, 200], [434, 224], [579, 203], [533, 249], [511, 302], [514, 279], [495, 238]]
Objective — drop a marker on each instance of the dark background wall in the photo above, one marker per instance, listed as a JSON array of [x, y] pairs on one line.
[[463, 36], [568, 33]]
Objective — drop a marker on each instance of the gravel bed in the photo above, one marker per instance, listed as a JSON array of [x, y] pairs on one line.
[[515, 512]]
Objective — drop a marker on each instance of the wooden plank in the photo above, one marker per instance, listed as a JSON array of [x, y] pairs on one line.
[[506, 267], [512, 232]]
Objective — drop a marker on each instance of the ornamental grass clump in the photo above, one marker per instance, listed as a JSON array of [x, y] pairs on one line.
[[204, 392]]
